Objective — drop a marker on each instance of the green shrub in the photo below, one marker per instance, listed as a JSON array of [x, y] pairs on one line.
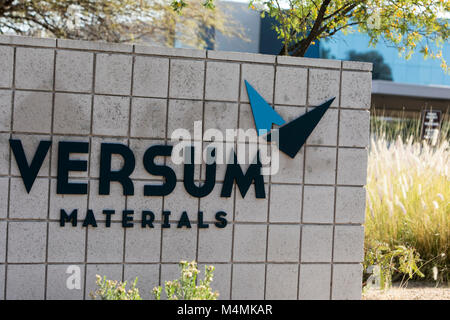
[[382, 262], [115, 290], [186, 288]]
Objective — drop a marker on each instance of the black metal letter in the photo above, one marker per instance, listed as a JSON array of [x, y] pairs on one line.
[[65, 165], [29, 172], [122, 175], [234, 172], [159, 170]]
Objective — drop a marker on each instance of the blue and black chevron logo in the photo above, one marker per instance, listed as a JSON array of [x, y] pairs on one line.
[[293, 134]]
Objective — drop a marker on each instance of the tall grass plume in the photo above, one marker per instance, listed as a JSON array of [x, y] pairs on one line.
[[408, 200]]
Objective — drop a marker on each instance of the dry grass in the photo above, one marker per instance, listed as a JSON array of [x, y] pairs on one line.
[[408, 200]]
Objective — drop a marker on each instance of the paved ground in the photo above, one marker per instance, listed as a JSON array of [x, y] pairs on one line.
[[413, 291]]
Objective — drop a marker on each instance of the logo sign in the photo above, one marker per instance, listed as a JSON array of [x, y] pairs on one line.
[[288, 138], [431, 123], [292, 135]]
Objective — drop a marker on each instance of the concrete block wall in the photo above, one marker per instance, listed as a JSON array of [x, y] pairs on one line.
[[304, 241]]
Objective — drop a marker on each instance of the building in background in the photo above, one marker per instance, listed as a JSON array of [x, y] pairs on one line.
[[400, 86]]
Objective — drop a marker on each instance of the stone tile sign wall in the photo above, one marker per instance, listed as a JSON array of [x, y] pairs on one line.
[[303, 241]]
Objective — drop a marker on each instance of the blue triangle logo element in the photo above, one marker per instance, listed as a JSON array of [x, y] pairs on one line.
[[263, 114]]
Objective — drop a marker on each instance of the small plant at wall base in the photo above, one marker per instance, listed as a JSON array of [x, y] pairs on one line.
[[389, 261], [115, 290], [186, 288]]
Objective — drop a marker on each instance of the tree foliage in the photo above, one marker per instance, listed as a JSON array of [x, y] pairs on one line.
[[116, 20], [409, 25]]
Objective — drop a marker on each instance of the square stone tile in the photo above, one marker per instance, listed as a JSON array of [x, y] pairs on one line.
[[224, 156], [32, 112], [186, 79], [214, 203], [68, 202], [241, 56], [281, 281], [110, 271], [315, 282], [26, 241], [248, 282], [115, 200], [177, 159], [347, 282], [246, 127], [139, 147], [4, 153], [323, 85], [326, 131], [284, 243], [29, 276], [74, 71], [356, 89], [73, 156], [33, 205], [221, 279], [110, 115], [249, 243], [72, 113], [66, 244], [220, 116], [30, 145], [251, 211], [318, 205], [285, 203], [105, 244], [179, 244], [2, 281], [291, 85], [151, 76], [320, 165], [188, 203], [183, 114], [6, 66], [5, 109], [148, 118], [247, 155], [260, 78], [352, 166], [169, 272], [289, 113], [147, 275], [34, 68], [113, 74], [317, 243], [94, 45], [117, 161], [143, 245], [222, 81], [349, 244], [3, 227], [58, 277], [288, 170], [138, 202], [354, 128], [350, 205], [215, 244], [4, 186]]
